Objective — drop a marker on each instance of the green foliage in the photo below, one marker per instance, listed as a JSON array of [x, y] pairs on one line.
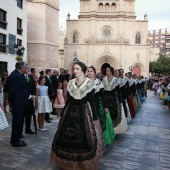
[[161, 65], [19, 58]]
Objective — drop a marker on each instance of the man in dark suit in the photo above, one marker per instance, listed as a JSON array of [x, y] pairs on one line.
[[29, 110], [48, 83], [55, 81], [18, 98]]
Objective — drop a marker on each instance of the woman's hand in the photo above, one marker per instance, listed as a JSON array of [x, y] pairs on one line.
[[96, 123], [36, 105], [106, 110]]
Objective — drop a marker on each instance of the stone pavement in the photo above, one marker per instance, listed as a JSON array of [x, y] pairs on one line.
[[145, 145]]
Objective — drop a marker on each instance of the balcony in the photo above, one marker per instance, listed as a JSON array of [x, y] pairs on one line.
[[19, 31], [3, 24]]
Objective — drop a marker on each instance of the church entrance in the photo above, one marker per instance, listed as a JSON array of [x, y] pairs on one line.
[[137, 70], [103, 68]]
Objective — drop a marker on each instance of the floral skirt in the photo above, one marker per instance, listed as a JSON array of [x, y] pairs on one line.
[[131, 107], [135, 104], [3, 120], [44, 104], [77, 144], [109, 133], [122, 127]]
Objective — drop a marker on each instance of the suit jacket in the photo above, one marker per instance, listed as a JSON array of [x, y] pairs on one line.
[[55, 82], [18, 89], [31, 85], [50, 86]]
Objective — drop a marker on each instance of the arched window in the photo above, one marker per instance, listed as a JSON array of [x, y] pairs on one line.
[[107, 7], [100, 7], [138, 38], [113, 7], [75, 37]]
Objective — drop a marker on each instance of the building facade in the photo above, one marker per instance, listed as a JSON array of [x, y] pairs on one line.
[[13, 30], [107, 33], [61, 50], [43, 33], [160, 38]]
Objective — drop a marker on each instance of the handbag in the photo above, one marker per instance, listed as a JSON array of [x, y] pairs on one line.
[[162, 95]]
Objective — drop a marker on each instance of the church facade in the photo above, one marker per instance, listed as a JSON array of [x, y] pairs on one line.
[[107, 33]]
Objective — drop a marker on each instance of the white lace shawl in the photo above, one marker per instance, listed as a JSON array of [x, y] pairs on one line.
[[123, 81], [136, 81], [80, 92], [168, 87], [131, 82], [98, 85], [109, 86]]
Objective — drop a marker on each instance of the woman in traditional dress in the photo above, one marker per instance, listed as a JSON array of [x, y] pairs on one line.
[[133, 91], [155, 85], [112, 95], [76, 144], [124, 88], [137, 90], [122, 127], [102, 110], [130, 97]]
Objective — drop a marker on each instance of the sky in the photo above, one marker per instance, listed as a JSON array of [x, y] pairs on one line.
[[158, 12]]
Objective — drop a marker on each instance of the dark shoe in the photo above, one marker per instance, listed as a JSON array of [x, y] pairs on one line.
[[29, 131], [21, 136], [48, 121], [50, 118], [19, 144], [53, 113]]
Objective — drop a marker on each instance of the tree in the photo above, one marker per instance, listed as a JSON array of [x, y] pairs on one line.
[[161, 65]]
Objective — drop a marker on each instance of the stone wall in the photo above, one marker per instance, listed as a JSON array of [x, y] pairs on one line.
[[43, 34]]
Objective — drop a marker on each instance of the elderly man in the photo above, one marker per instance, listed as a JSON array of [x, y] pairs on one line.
[[18, 98]]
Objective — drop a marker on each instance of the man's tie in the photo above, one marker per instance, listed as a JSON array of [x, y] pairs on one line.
[[27, 77], [50, 80]]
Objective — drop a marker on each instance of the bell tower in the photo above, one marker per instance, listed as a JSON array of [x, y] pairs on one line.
[[43, 33], [107, 9]]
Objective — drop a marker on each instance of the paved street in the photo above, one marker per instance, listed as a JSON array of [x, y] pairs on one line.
[[145, 145]]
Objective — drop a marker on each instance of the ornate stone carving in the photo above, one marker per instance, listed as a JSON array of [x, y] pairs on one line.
[[120, 40], [107, 32]]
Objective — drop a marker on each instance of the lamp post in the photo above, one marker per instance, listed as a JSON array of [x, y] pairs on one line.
[[19, 50], [131, 69]]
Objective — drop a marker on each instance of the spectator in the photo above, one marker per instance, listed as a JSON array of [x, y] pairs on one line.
[[5, 83], [55, 82], [35, 77], [51, 93], [42, 74], [29, 110], [42, 103], [18, 98], [66, 79]]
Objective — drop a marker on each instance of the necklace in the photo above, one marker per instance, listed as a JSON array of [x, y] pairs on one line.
[[78, 85], [109, 79]]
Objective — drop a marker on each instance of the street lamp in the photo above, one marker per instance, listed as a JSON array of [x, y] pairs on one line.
[[131, 69], [19, 50]]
